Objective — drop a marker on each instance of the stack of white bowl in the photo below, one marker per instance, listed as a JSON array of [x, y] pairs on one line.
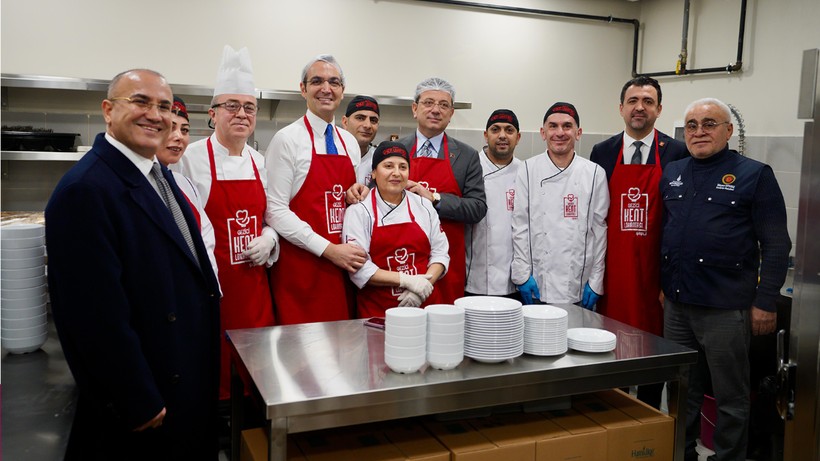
[[545, 330], [405, 339], [23, 287], [493, 328], [445, 336]]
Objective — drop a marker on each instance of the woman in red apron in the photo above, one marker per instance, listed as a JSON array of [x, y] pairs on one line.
[[309, 288], [408, 256], [237, 211], [437, 173]]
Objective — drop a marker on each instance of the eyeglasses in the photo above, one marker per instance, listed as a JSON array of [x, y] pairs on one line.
[[708, 126], [233, 107], [429, 103], [334, 82], [145, 105]]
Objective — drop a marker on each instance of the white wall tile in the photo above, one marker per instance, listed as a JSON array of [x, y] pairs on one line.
[[784, 153]]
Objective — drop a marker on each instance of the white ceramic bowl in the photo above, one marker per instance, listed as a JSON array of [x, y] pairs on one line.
[[405, 341], [24, 322], [23, 303], [24, 345], [22, 253], [394, 330], [405, 316], [400, 351], [445, 328], [18, 284], [445, 338], [24, 313], [487, 303], [16, 231], [23, 293], [27, 242], [444, 361], [17, 274], [23, 263], [20, 333], [445, 349], [404, 364], [444, 313]]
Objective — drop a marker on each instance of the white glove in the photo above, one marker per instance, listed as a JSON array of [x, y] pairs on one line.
[[418, 284], [409, 299], [259, 249]]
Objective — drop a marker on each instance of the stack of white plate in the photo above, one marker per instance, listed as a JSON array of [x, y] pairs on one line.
[[23, 287], [545, 330], [445, 336], [493, 328], [405, 339], [590, 340]]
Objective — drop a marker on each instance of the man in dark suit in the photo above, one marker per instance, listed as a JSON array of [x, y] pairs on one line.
[[447, 172], [633, 161], [134, 297]]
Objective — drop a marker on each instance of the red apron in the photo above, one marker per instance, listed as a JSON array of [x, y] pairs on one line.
[[401, 248], [432, 174], [310, 288], [236, 209], [196, 212], [632, 279]]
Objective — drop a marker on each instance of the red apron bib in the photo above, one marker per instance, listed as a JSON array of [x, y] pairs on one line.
[[196, 212], [236, 209], [632, 280], [401, 248], [430, 173], [310, 288]]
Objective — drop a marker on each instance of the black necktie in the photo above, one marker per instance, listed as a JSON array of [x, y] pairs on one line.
[[636, 157], [173, 207]]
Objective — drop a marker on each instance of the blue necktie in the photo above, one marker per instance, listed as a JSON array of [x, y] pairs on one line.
[[426, 150], [329, 144]]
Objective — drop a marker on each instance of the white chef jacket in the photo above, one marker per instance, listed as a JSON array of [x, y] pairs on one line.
[[559, 227], [489, 241], [289, 156], [358, 229], [195, 165], [365, 167]]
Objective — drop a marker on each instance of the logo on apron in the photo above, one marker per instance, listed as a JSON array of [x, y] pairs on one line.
[[241, 230], [404, 262], [571, 206], [634, 207], [335, 209], [426, 185], [511, 200]]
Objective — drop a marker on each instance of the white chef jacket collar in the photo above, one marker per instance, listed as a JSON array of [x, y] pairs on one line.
[[143, 164]]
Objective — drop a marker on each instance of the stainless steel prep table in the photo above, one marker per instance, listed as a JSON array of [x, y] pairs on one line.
[[322, 375]]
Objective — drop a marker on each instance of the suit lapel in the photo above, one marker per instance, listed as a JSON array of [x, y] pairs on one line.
[[455, 152]]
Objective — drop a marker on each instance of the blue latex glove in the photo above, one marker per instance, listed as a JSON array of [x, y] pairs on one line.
[[529, 291], [590, 297]]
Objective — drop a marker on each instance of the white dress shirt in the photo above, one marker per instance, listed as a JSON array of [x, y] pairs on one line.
[[629, 150]]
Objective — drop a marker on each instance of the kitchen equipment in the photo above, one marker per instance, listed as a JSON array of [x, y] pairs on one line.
[[43, 140]]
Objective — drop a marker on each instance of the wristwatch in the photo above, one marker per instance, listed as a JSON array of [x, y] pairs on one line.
[[436, 198]]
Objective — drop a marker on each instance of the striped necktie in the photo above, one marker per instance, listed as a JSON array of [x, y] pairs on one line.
[[173, 207], [426, 150]]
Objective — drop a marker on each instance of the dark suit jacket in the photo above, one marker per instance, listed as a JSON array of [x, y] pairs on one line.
[[137, 317], [471, 207], [605, 153]]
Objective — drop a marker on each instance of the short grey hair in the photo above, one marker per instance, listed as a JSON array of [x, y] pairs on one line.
[[323, 58], [112, 86], [435, 84], [710, 102]]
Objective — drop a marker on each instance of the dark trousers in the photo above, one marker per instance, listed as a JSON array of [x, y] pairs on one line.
[[722, 337]]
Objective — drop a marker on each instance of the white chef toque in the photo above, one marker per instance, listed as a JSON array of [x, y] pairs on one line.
[[235, 74]]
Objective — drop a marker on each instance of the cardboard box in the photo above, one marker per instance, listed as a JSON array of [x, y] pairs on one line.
[[254, 447], [584, 440], [347, 444], [414, 442], [628, 438], [466, 443]]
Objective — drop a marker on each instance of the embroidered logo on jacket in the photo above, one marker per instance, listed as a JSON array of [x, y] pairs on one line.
[[676, 183], [511, 200], [571, 206], [727, 182]]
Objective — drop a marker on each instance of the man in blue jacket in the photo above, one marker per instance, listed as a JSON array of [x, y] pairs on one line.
[[134, 297], [724, 255]]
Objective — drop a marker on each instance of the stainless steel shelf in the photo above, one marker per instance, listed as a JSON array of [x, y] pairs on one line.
[[36, 156]]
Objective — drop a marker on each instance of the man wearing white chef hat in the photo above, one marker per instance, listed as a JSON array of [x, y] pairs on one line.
[[559, 220], [232, 181]]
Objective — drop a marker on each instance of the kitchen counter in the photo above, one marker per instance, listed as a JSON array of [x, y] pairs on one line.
[[332, 374]]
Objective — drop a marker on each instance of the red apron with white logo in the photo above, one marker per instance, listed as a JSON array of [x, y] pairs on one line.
[[437, 175], [632, 279], [309, 288], [236, 209], [401, 248]]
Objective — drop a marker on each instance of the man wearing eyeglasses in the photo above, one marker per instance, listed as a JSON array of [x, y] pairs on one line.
[[312, 163], [134, 297], [232, 180], [634, 160], [447, 172], [725, 251]]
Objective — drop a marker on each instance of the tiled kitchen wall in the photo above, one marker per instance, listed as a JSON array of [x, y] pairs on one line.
[[26, 185]]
